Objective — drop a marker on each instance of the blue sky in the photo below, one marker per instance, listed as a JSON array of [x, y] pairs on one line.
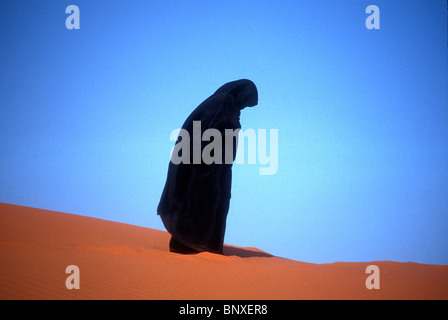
[[362, 116]]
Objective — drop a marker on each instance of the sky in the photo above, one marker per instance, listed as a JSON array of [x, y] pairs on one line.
[[361, 115]]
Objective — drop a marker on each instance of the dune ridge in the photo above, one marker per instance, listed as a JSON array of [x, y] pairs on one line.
[[121, 261]]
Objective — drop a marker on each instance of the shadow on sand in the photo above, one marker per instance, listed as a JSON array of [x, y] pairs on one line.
[[244, 253]]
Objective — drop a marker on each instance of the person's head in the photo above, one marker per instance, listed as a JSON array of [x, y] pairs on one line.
[[244, 92]]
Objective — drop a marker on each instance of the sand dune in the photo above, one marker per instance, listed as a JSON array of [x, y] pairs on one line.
[[120, 261]]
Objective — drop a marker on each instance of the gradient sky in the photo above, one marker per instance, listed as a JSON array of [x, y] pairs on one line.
[[362, 116]]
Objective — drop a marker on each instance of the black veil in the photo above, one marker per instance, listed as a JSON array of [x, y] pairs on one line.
[[196, 197]]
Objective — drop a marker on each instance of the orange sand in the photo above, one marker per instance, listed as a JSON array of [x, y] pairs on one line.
[[120, 261]]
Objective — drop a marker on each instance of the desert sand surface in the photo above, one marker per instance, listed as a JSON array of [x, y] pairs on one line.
[[121, 261]]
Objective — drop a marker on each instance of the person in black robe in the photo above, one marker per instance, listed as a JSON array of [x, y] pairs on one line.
[[196, 197]]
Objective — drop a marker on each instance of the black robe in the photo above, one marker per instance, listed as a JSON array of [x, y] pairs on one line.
[[196, 197]]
